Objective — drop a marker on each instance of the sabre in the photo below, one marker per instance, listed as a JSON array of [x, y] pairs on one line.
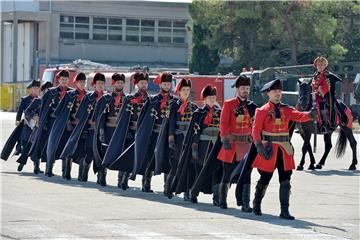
[[315, 120]]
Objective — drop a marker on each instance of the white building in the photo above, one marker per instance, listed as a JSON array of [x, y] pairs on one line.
[[120, 33]]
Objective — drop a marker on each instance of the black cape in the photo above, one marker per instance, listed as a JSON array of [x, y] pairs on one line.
[[41, 138], [179, 183], [162, 150], [62, 114], [30, 112], [11, 141], [83, 113], [211, 172], [112, 158], [145, 125], [100, 115]]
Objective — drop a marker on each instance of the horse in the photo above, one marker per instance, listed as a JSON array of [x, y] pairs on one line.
[[306, 129]]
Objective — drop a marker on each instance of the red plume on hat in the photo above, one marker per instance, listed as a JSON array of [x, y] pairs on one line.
[[117, 77], [163, 77], [157, 80], [208, 90], [134, 78], [138, 76], [182, 83]]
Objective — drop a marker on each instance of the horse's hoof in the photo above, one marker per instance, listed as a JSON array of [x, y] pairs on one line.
[[318, 166], [352, 167], [311, 167], [300, 168]]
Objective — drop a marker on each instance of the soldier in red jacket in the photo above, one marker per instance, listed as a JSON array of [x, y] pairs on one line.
[[323, 84], [270, 134], [235, 132]]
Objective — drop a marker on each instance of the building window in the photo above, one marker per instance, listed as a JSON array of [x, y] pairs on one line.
[[111, 28], [147, 30], [100, 28], [172, 31], [107, 28], [179, 31], [165, 31], [81, 27], [67, 27], [132, 30], [74, 27], [115, 29]]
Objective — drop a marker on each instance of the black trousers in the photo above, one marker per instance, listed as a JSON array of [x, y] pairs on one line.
[[265, 177], [228, 168]]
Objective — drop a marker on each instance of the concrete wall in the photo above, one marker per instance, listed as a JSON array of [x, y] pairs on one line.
[[65, 50]]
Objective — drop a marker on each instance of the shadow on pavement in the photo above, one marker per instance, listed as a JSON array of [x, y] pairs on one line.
[[342, 172], [135, 192]]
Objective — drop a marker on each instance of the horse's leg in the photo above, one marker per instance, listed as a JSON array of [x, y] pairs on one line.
[[311, 154], [328, 146], [350, 136], [304, 149]]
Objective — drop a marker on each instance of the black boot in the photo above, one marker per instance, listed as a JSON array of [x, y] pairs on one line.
[[68, 166], [284, 195], [259, 194], [215, 189], [101, 177], [37, 167], [49, 169], [120, 176], [167, 188], [63, 168], [81, 167], [20, 167], [246, 198], [223, 190], [165, 177], [193, 197], [85, 172], [187, 196], [146, 181], [125, 180]]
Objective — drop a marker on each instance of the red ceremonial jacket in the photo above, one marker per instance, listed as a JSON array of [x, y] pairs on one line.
[[235, 125], [267, 127]]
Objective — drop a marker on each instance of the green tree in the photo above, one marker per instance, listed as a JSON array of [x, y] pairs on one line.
[[263, 34]]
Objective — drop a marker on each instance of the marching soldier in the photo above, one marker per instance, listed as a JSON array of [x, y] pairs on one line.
[[80, 142], [235, 131], [324, 84], [198, 143], [270, 134], [33, 88], [155, 110], [106, 113], [65, 122], [124, 135], [181, 112], [49, 102], [32, 117], [21, 133]]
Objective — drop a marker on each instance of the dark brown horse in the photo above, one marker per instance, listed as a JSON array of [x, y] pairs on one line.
[[307, 129]]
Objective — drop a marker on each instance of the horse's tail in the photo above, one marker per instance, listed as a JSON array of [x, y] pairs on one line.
[[341, 143]]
